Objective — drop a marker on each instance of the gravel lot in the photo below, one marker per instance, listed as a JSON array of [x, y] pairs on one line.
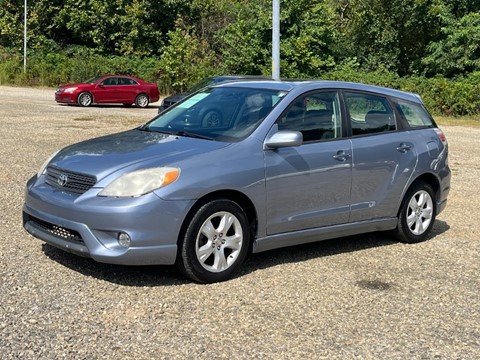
[[363, 297]]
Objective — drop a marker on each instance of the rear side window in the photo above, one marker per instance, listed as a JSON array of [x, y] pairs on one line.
[[369, 114], [414, 114], [126, 81]]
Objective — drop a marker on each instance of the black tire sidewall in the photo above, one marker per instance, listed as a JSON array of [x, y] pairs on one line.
[[187, 259], [403, 232]]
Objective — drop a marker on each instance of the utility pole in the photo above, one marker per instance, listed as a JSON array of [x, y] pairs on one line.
[[276, 40], [25, 38]]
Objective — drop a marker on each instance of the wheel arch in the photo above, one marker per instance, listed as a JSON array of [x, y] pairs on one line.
[[142, 93], [428, 178], [236, 196], [83, 92]]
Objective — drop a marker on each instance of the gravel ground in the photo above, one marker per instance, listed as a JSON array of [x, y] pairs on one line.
[[362, 297]]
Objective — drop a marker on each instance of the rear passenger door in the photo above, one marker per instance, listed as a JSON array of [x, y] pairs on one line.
[[384, 158], [127, 90], [309, 186]]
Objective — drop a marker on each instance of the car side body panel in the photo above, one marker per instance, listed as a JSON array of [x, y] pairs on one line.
[[381, 172], [307, 187], [105, 92]]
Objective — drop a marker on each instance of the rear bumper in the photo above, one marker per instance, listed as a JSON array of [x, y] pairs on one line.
[[154, 98], [441, 206]]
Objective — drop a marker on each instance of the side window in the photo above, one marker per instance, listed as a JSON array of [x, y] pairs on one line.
[[110, 81], [123, 81], [369, 114], [415, 114], [316, 116]]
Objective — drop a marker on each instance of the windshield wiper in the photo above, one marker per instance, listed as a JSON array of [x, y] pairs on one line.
[[192, 135], [176, 133], [149, 129]]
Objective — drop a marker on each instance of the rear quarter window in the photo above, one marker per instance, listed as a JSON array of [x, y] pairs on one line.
[[414, 114]]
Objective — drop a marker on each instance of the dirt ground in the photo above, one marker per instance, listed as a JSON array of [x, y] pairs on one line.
[[362, 297]]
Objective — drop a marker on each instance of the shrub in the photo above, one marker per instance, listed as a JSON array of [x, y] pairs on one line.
[[186, 60]]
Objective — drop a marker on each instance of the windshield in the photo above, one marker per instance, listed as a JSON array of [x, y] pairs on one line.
[[223, 114], [92, 80]]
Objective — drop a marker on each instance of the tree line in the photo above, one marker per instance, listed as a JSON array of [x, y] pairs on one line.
[[417, 45]]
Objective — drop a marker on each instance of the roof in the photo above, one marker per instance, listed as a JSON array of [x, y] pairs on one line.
[[307, 85]]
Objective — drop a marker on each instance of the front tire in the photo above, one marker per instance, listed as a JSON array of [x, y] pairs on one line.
[[142, 101], [215, 242], [417, 214], [85, 99]]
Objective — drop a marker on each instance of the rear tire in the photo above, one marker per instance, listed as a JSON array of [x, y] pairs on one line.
[[215, 242], [417, 214], [142, 101], [85, 99]]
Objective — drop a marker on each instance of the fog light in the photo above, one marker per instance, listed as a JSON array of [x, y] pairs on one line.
[[124, 240]]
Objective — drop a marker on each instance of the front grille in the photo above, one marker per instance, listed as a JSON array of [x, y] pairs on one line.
[[57, 231], [69, 180]]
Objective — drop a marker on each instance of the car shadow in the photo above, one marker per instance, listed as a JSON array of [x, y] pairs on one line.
[[160, 275], [328, 248], [146, 276]]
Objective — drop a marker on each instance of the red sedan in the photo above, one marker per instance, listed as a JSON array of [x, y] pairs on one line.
[[121, 89]]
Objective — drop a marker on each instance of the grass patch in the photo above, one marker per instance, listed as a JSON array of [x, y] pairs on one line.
[[473, 121]]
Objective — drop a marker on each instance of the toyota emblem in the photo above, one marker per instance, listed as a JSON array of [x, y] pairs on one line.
[[62, 180]]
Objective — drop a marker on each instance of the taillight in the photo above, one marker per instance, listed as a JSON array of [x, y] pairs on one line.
[[441, 136]]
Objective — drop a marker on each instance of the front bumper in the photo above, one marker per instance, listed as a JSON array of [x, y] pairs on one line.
[[89, 225], [65, 98]]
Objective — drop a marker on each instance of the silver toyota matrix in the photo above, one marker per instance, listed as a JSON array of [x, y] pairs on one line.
[[245, 167]]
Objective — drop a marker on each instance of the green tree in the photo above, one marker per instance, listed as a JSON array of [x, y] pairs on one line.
[[186, 58], [458, 52], [307, 36], [11, 24]]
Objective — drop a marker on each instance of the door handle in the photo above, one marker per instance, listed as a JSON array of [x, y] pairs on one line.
[[403, 148], [342, 156]]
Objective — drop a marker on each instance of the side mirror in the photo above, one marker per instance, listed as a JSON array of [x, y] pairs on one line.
[[101, 85], [284, 139]]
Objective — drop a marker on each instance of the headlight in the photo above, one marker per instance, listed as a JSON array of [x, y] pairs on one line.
[[141, 182], [70, 90], [45, 164]]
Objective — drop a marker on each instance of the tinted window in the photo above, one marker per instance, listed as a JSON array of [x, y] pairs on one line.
[[369, 114], [126, 81], [202, 84], [415, 114], [316, 116], [110, 81]]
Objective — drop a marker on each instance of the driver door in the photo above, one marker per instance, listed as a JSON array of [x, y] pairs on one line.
[[309, 186]]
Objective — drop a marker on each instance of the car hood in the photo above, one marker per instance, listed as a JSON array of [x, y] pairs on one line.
[[77, 85], [135, 149], [176, 98]]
